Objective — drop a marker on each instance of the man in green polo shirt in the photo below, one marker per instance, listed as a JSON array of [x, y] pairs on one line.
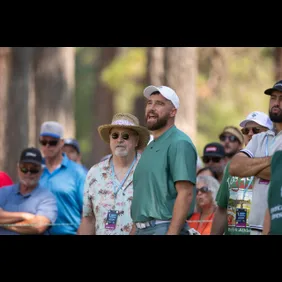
[[165, 176], [273, 217]]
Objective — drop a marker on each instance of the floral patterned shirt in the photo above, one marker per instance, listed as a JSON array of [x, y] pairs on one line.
[[99, 198]]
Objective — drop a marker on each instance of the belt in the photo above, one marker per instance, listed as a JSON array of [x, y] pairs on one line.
[[151, 223]]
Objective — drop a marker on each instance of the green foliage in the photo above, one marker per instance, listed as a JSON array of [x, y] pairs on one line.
[[124, 75], [84, 88], [248, 74]]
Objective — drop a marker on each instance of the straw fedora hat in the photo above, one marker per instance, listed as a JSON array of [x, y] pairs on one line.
[[129, 121]]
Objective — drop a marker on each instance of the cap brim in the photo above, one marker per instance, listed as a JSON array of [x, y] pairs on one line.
[[143, 132], [149, 90], [46, 134], [31, 162], [73, 145], [270, 90]]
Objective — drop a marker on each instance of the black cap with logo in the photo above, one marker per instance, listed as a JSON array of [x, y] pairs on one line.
[[214, 150], [31, 155]]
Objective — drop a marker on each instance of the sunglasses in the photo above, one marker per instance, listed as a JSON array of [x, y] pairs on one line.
[[207, 159], [124, 136], [203, 189], [50, 142], [231, 138], [26, 170], [246, 130]]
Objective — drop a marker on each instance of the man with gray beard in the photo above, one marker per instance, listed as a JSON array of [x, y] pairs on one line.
[[26, 207], [108, 186], [255, 159]]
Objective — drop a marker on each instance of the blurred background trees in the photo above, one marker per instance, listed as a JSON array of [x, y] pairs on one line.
[[83, 87]]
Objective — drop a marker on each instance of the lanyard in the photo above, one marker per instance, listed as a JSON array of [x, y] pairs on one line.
[[115, 187], [246, 189], [266, 146]]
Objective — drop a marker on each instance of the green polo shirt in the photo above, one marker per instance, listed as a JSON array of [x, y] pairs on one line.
[[275, 194], [171, 157]]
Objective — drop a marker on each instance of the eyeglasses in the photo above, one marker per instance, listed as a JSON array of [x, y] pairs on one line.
[[124, 136], [203, 189], [246, 130], [50, 142], [207, 159], [231, 138], [26, 170]]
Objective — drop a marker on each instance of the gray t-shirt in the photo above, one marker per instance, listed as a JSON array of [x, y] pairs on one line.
[[261, 145]]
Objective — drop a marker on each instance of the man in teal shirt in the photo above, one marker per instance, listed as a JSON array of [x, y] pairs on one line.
[[165, 176]]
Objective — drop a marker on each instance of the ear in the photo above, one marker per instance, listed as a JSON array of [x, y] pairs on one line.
[[173, 112]]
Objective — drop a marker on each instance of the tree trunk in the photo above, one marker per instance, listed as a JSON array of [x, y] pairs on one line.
[[103, 107], [181, 74], [17, 127], [54, 87], [155, 66], [5, 58], [278, 63]]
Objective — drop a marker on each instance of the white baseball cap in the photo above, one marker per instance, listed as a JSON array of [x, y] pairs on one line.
[[258, 117], [167, 92], [52, 129]]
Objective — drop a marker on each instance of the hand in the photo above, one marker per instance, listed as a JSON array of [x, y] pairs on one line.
[[27, 216]]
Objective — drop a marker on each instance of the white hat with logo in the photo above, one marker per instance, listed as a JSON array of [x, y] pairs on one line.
[[165, 91], [258, 117]]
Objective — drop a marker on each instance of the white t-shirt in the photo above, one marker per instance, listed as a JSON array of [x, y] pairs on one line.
[[261, 145]]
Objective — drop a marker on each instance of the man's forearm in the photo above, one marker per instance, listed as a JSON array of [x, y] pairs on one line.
[[266, 223], [219, 221], [87, 226], [180, 211], [11, 217], [30, 227], [265, 173], [243, 166]]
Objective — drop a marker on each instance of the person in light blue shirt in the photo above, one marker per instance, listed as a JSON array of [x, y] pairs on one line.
[[26, 208], [63, 177], [72, 150]]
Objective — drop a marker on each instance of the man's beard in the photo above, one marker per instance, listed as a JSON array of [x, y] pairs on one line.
[[275, 117], [158, 124]]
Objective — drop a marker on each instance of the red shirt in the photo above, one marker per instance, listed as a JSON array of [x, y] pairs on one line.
[[5, 179]]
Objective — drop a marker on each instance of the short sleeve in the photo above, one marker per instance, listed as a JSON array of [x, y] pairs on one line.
[[87, 199], [48, 208], [182, 161], [251, 147]]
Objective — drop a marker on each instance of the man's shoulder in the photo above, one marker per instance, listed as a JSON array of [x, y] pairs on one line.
[[78, 168], [8, 188], [181, 138]]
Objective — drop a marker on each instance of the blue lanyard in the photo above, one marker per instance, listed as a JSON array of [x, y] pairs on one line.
[[246, 189], [124, 179], [266, 146]]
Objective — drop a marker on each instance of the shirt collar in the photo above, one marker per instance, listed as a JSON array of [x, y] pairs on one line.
[[17, 190], [65, 161]]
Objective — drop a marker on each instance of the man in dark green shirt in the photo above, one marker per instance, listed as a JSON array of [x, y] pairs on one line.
[[273, 217], [165, 176]]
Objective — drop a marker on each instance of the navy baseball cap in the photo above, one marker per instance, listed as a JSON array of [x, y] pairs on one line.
[[276, 87], [72, 142], [31, 155]]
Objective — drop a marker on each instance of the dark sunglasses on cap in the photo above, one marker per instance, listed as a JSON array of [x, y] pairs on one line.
[[203, 189], [246, 130], [26, 170], [50, 142], [231, 138], [207, 159], [124, 136]]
